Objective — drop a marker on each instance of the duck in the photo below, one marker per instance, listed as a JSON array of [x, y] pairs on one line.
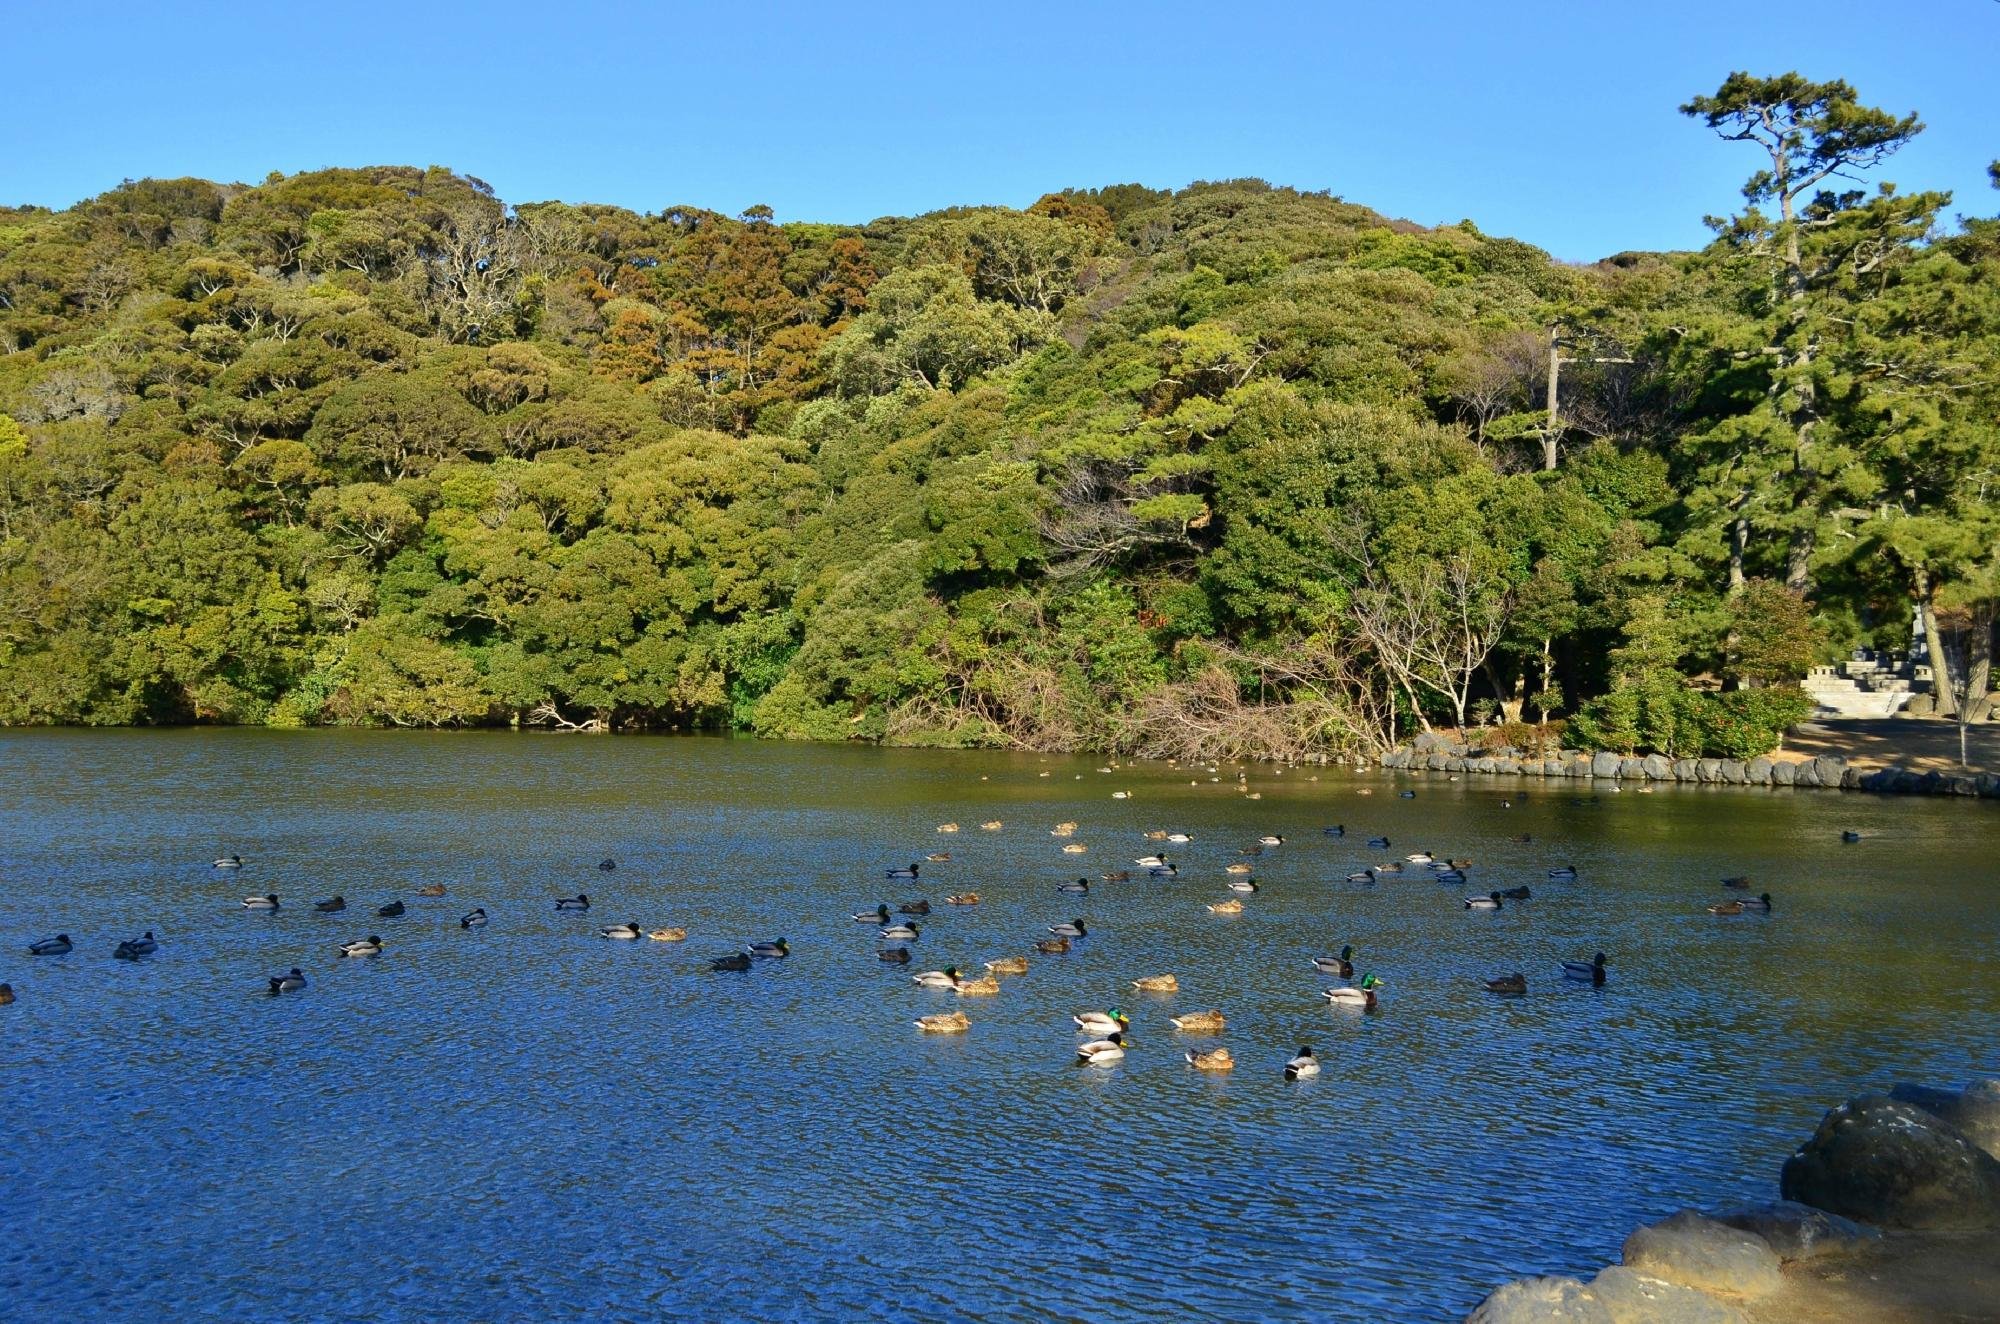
[[979, 986], [1589, 972], [947, 827], [962, 899], [1523, 840], [1102, 1022], [1157, 984], [431, 889], [1229, 907], [1491, 901], [1337, 830], [1512, 986], [230, 862], [893, 931], [1460, 864], [1064, 828], [1009, 965], [733, 961], [1270, 839], [675, 934], [390, 911], [937, 857], [1252, 850], [269, 902], [1516, 893], [368, 946], [879, 915], [1121, 795], [6, 995], [776, 949], [1100, 1051], [945, 978], [1073, 929], [1080, 887], [1211, 1059], [909, 872], [134, 948], [1238, 867], [1726, 908], [1563, 873], [1119, 876], [1393, 866], [1074, 848], [1360, 995], [473, 919], [1452, 876], [917, 907], [1850, 836], [951, 1022], [1154, 834], [622, 932], [1303, 1064], [1163, 871], [991, 825], [1052, 946], [333, 905], [1361, 876], [1420, 857], [578, 902], [1243, 885], [1151, 861], [1341, 965], [1406, 795], [1378, 843], [1738, 884], [1180, 838], [1200, 1022], [893, 955], [1761, 902], [290, 982], [606, 865]]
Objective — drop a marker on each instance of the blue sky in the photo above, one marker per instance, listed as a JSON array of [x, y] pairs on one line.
[[1551, 122]]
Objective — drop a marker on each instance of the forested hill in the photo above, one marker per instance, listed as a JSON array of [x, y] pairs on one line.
[[1229, 469]]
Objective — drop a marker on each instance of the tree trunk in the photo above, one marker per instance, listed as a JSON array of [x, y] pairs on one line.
[[1798, 561], [1549, 430], [1941, 686]]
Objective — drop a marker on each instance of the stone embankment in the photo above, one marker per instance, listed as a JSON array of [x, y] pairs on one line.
[[1435, 753], [1890, 1213]]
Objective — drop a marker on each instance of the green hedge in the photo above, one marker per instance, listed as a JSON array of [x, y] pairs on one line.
[[1661, 715]]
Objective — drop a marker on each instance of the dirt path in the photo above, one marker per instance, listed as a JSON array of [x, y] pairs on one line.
[[1909, 742]]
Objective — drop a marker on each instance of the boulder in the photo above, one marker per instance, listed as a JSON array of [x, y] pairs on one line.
[[1758, 771], [1923, 705], [1454, 763], [1783, 774], [1435, 760], [1542, 1301], [1707, 770], [1503, 765], [1796, 1231], [1658, 767], [1974, 1111], [1829, 767], [1805, 774], [1632, 769], [1603, 764], [1486, 763], [1635, 1298], [1732, 773], [1684, 770], [1396, 758], [1552, 767], [1699, 1252], [1581, 766], [1897, 1165], [1426, 741]]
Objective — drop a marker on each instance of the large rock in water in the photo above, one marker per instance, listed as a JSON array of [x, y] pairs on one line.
[[1784, 774], [1830, 767], [1894, 1164], [1604, 764], [1542, 1301], [1636, 1298], [1657, 766], [1797, 1231], [1758, 771], [1974, 1111], [1706, 1255]]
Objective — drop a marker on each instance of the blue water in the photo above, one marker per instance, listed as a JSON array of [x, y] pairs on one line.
[[528, 1122]]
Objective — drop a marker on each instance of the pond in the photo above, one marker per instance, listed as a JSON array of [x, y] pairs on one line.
[[528, 1121]]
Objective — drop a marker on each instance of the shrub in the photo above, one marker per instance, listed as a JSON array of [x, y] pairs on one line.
[[1658, 714]]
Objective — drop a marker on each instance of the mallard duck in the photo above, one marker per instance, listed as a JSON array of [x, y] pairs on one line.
[[733, 961], [1211, 1059], [1516, 893], [1119, 876], [1251, 850], [1563, 873], [132, 949], [1303, 1064], [1121, 795], [290, 982], [1850, 836], [1163, 871], [578, 902], [910, 872], [894, 931], [1378, 843], [1062, 829], [1073, 929], [1406, 795], [1200, 1022], [1737, 884], [1009, 965], [1452, 877], [668, 935], [1102, 1022], [1245, 885], [917, 907], [1229, 907], [269, 902], [1238, 867], [1156, 834], [1052, 946], [962, 899], [1589, 972], [1491, 901], [1151, 861], [6, 995], [1726, 908], [893, 955], [1080, 887], [431, 889], [1361, 876], [331, 906], [368, 946], [991, 825], [1359, 995], [1420, 857], [776, 949], [1100, 1051], [879, 915], [622, 932], [230, 862], [947, 827], [1075, 848], [979, 986], [1513, 985], [937, 857], [1365, 790], [606, 865], [1180, 838], [1337, 830], [1524, 839], [951, 1022], [1762, 902], [1270, 839], [1460, 864], [945, 978], [1157, 984], [1392, 866], [1341, 965], [473, 919], [390, 911]]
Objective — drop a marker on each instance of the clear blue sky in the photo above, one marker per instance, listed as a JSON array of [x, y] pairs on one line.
[[1551, 122]]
